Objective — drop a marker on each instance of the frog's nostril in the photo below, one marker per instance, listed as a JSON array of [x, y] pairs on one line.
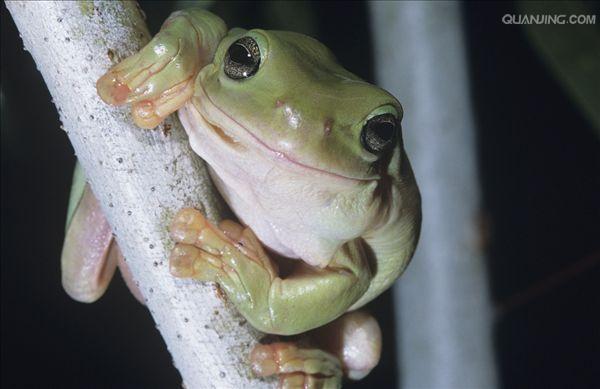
[[327, 126], [279, 103]]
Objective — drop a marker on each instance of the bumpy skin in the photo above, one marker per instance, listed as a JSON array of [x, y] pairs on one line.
[[284, 149]]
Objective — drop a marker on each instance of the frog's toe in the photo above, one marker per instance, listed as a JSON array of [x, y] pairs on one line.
[[150, 113], [297, 367], [144, 114], [246, 241], [308, 381], [232, 230], [187, 225], [188, 261], [112, 90], [191, 227]]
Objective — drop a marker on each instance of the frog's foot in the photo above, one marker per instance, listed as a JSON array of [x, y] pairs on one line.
[[208, 253], [160, 78], [297, 367]]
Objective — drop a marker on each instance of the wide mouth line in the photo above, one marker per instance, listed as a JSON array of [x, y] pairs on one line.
[[276, 153]]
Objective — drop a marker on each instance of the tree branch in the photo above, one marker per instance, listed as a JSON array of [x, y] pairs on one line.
[[141, 178]]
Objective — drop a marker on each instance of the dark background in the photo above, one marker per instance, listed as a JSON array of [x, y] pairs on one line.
[[539, 162]]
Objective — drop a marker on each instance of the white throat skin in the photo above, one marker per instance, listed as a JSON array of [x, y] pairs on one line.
[[298, 213]]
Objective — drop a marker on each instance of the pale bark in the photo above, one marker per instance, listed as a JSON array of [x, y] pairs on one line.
[[444, 313], [141, 178]]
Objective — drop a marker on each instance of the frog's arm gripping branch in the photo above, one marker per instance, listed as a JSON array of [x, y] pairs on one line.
[[234, 257], [159, 79], [140, 179]]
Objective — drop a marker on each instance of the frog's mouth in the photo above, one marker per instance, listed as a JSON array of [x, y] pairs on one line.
[[207, 103]]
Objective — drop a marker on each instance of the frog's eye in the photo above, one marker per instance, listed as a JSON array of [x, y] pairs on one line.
[[242, 58], [379, 133]]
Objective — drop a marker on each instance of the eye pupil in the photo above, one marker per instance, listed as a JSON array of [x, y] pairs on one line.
[[385, 131], [240, 54], [242, 59], [379, 133]]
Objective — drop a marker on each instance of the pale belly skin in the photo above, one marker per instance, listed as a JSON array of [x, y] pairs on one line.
[[310, 159]]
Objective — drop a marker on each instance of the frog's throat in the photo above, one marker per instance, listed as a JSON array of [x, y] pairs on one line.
[[208, 103]]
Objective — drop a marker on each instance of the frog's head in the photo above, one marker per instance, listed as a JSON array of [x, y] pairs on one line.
[[290, 94]]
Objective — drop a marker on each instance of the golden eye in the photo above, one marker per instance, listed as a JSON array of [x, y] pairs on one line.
[[242, 59], [379, 133]]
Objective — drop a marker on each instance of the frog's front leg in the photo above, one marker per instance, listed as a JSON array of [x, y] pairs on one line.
[[232, 256], [159, 79]]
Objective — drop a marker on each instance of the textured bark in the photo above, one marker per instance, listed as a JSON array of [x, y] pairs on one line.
[[141, 178], [443, 309]]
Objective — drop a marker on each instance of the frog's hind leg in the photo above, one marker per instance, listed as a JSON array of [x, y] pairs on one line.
[[90, 253], [355, 338], [88, 259], [160, 78]]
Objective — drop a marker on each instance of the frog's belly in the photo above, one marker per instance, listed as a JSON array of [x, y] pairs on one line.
[[284, 212], [246, 211]]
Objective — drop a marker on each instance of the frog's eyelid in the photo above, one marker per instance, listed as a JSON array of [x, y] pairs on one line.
[[382, 110], [263, 43], [394, 110]]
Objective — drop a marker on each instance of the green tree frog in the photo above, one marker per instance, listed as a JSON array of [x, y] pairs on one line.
[[310, 159]]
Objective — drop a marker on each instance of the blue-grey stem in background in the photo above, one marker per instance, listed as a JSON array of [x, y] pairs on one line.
[[444, 317]]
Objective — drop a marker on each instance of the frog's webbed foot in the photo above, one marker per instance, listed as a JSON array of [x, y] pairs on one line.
[[349, 346], [297, 367], [159, 79], [208, 253]]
